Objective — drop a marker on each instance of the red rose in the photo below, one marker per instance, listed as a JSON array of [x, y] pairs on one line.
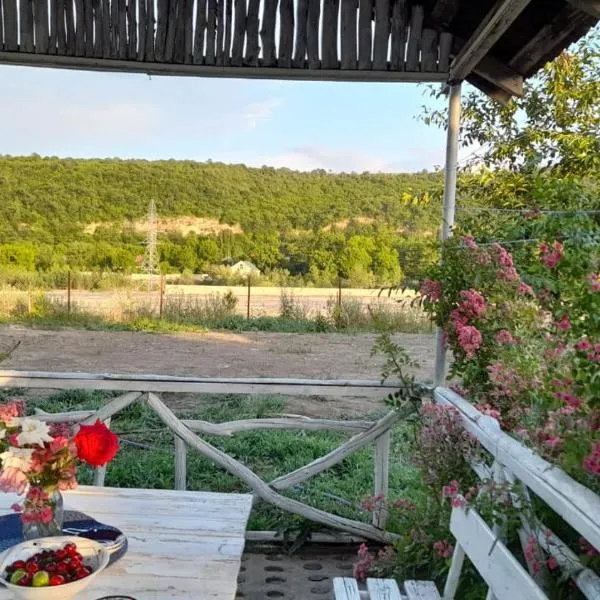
[[96, 444]]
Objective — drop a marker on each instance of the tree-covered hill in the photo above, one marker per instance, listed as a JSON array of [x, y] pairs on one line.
[[52, 199]]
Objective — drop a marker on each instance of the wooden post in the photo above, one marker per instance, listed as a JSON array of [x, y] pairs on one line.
[[100, 472], [69, 292], [339, 295], [248, 302], [161, 296], [454, 107], [382, 469], [180, 464]]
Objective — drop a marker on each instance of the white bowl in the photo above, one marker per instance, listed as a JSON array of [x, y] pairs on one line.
[[94, 555]]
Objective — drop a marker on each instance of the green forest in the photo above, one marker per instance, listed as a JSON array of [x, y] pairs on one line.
[[371, 229]]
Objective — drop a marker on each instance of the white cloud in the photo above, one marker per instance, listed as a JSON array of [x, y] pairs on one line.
[[311, 157], [258, 112]]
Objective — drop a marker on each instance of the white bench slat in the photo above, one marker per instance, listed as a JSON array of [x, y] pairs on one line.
[[421, 590], [494, 562], [383, 589], [345, 588]]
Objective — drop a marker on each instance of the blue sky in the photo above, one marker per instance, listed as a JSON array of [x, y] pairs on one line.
[[300, 125]]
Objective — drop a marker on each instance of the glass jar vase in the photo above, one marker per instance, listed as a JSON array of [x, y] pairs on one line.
[[46, 527]]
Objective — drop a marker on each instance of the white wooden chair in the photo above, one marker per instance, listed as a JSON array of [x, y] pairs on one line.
[[503, 573]]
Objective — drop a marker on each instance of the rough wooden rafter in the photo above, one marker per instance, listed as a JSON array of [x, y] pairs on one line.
[[591, 7], [495, 72], [555, 33], [489, 31]]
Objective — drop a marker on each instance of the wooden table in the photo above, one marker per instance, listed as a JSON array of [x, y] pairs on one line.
[[182, 545]]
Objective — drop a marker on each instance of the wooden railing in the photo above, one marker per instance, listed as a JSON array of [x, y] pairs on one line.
[[510, 460], [310, 39]]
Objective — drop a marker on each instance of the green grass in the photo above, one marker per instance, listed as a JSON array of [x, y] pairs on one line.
[[267, 453]]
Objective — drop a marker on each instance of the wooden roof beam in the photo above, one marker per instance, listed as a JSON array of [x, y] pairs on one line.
[[489, 31], [494, 71], [591, 7], [555, 33]]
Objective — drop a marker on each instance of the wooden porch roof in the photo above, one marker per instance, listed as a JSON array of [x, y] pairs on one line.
[[495, 44]]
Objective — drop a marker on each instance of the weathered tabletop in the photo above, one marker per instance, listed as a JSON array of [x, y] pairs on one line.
[[182, 545]]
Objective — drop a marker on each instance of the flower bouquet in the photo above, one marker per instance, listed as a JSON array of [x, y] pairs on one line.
[[39, 461]]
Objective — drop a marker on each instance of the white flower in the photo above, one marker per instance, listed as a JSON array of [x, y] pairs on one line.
[[2, 433], [33, 431], [17, 458]]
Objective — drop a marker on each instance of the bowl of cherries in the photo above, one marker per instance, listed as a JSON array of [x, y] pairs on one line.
[[54, 568]]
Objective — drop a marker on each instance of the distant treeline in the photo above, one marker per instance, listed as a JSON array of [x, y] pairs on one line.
[[372, 229]]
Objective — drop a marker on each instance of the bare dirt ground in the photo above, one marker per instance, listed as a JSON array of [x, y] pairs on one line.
[[255, 354]]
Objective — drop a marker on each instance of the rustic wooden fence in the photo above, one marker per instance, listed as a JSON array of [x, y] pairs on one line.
[[304, 37], [510, 460]]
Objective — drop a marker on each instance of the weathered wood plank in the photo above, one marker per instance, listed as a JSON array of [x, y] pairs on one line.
[[453, 577], [179, 42], [286, 33], [421, 590], [114, 28], [301, 33], [150, 30], [229, 29], [239, 33], [180, 464], [494, 562], [106, 29], [365, 38], [211, 32], [414, 39], [61, 32], [132, 22], [575, 503], [53, 6], [98, 28], [199, 33], [261, 489], [360, 440], [122, 28], [162, 19], [26, 25], [349, 34], [429, 50], [312, 34], [188, 34], [100, 472], [2, 26], [399, 31], [220, 53], [172, 25], [79, 27], [382, 475], [70, 19], [345, 588], [88, 13], [267, 33], [142, 29], [382, 34], [487, 33], [444, 11], [445, 48], [11, 32], [551, 35], [329, 34], [591, 7], [383, 589], [199, 563], [253, 44], [42, 32]]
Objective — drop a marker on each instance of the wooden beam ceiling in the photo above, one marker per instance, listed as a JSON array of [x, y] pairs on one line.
[[591, 7], [494, 71], [489, 31], [561, 28]]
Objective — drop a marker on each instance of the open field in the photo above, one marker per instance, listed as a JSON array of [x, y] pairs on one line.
[[258, 354], [263, 300]]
